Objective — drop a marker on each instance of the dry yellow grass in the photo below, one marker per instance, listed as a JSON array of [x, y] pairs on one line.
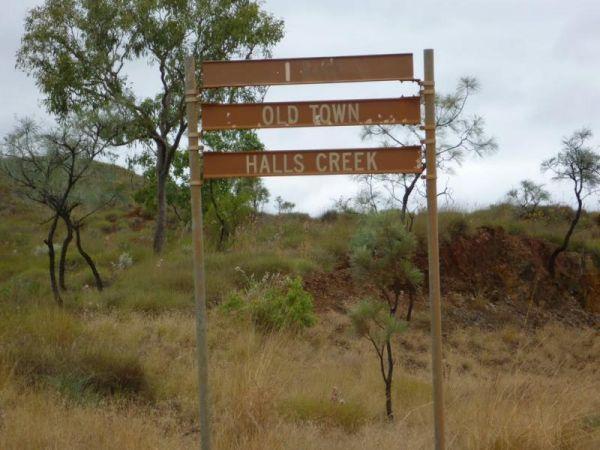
[[505, 390]]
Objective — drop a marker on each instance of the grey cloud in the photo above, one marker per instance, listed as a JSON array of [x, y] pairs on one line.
[[536, 60]]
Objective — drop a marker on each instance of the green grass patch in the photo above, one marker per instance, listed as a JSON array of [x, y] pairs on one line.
[[50, 345], [349, 416]]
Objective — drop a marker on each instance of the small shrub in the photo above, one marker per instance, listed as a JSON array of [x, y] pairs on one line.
[[457, 227], [125, 261], [107, 226], [331, 215], [27, 287], [110, 370], [275, 302], [291, 308], [42, 250], [111, 216]]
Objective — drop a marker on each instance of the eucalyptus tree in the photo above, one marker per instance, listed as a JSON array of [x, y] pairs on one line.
[[458, 137], [579, 164], [57, 168], [82, 55]]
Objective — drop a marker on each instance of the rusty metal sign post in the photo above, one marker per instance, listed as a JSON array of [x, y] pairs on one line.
[[408, 159]]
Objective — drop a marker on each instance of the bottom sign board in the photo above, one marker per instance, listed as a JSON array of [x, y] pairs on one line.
[[313, 162]]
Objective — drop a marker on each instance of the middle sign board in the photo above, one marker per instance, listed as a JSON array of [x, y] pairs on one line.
[[397, 111]]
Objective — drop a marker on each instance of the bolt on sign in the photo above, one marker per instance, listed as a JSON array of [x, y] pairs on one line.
[[250, 163]]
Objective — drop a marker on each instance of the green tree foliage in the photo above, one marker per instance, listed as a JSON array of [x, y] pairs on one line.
[[528, 197], [80, 53], [579, 164], [230, 202], [226, 203], [381, 256]]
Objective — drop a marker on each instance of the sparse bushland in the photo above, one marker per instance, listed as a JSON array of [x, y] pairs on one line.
[[507, 388], [123, 359]]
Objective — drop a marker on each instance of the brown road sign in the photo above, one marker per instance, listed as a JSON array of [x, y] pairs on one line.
[[405, 111], [307, 70], [312, 162]]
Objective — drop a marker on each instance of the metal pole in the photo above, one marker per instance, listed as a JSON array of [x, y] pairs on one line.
[[433, 250], [191, 98]]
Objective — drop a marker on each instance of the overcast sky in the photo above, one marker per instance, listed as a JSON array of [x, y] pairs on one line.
[[538, 63]]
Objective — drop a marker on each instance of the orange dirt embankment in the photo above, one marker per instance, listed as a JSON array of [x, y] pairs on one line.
[[490, 278]]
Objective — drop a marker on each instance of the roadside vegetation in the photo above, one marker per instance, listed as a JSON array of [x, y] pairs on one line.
[[287, 368], [307, 316]]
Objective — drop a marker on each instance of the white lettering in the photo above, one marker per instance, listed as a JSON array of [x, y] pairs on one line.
[[264, 164], [251, 164], [339, 112], [285, 165], [280, 121], [287, 71], [267, 115], [298, 163], [292, 114], [325, 118], [371, 163], [315, 116], [336, 163], [319, 167], [346, 161], [358, 161], [274, 167], [353, 112]]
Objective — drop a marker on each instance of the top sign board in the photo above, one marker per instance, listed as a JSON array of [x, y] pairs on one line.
[[339, 69]]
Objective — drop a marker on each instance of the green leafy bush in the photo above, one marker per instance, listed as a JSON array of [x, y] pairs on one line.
[[275, 302]]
